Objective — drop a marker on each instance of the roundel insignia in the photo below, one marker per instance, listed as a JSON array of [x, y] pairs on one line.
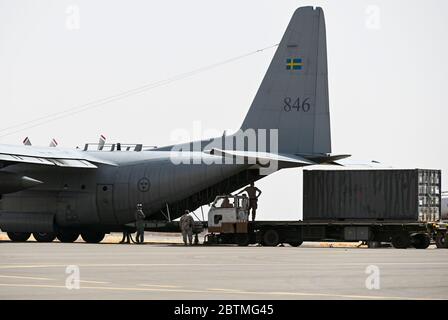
[[143, 185]]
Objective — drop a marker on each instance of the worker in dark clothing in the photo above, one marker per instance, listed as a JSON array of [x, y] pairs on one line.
[[140, 223], [253, 193], [186, 226], [126, 237]]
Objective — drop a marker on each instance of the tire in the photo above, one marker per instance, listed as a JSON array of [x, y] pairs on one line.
[[441, 241], [421, 241], [19, 236], [92, 236], [401, 241], [44, 236], [67, 237], [271, 238], [295, 244], [373, 244], [242, 239]]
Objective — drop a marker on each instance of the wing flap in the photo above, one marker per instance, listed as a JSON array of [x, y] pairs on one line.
[[48, 156], [67, 163]]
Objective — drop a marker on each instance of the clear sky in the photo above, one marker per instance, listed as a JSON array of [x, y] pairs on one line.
[[387, 75]]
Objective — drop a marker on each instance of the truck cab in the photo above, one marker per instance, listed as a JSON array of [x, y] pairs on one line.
[[229, 214]]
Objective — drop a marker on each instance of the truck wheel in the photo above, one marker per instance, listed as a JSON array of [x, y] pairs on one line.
[[67, 237], [441, 241], [373, 244], [44, 236], [19, 236], [242, 239], [295, 243], [401, 241], [92, 236], [421, 241], [271, 238]]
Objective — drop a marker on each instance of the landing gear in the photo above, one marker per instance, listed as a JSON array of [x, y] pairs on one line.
[[67, 236], [271, 238], [92, 236], [401, 241], [421, 241], [19, 236], [44, 236]]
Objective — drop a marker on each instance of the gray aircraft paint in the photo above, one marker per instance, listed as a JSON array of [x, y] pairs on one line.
[[100, 189], [299, 132]]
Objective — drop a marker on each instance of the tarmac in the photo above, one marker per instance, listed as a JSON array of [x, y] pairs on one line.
[[166, 270]]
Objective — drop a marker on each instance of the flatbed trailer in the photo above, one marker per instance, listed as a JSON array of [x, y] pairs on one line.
[[231, 226], [272, 233]]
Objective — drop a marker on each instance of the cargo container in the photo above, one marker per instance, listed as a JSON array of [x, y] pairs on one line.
[[376, 195], [444, 207]]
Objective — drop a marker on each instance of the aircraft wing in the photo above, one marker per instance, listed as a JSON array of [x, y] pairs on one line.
[[47, 156]]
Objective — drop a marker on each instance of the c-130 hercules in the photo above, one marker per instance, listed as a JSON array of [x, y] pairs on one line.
[[55, 192]]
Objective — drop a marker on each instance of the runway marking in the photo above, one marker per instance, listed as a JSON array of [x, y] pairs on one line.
[[323, 264], [135, 265], [226, 290], [25, 277], [279, 293], [159, 286], [90, 281]]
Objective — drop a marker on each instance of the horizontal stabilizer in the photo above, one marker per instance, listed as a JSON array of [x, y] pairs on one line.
[[263, 157], [327, 159]]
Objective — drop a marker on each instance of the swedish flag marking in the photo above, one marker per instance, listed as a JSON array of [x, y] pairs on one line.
[[294, 64]]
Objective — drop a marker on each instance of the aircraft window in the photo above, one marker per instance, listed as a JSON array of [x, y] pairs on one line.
[[218, 203], [224, 202], [217, 218]]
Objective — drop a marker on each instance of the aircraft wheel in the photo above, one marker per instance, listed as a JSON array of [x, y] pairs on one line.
[[19, 236], [295, 243], [92, 236], [67, 237], [421, 241], [401, 241], [271, 238], [242, 239], [441, 240], [44, 236]]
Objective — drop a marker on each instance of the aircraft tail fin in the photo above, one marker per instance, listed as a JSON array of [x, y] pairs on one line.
[[293, 96]]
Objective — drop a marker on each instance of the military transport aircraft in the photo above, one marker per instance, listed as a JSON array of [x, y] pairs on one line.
[[55, 192]]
